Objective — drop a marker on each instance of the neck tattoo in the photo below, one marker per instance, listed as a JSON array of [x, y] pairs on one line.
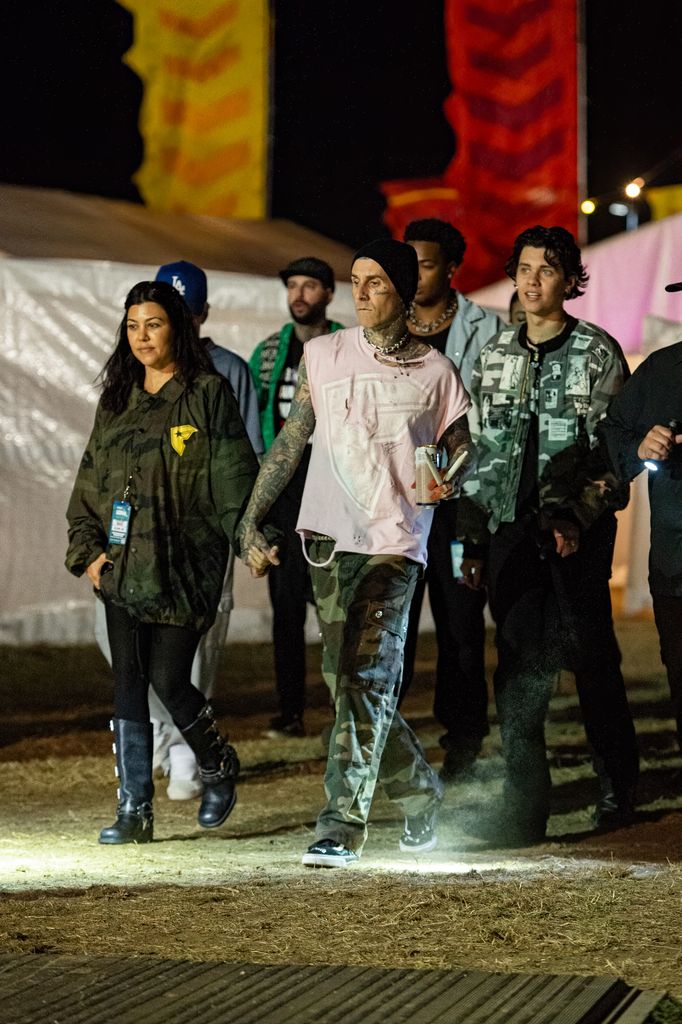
[[429, 326]]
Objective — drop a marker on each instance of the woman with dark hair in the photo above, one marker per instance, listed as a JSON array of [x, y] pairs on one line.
[[159, 492]]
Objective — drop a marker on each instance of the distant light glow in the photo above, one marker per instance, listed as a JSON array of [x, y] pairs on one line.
[[618, 209], [632, 190], [588, 206]]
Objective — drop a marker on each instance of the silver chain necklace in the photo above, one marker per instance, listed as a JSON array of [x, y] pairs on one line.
[[429, 326], [390, 348]]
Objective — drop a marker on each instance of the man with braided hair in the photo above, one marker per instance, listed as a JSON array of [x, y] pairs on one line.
[[457, 327]]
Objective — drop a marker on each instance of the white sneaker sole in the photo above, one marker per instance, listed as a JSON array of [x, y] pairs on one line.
[[424, 848], [326, 860]]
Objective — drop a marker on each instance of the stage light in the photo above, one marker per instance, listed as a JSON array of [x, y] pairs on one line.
[[632, 190], [588, 206]]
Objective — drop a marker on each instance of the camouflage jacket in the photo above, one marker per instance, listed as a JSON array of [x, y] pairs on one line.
[[190, 468], [575, 385]]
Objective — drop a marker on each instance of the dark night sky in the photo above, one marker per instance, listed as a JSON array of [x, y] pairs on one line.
[[358, 93]]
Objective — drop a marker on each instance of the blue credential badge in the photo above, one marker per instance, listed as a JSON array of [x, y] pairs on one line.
[[120, 522]]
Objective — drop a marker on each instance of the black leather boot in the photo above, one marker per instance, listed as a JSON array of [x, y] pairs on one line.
[[134, 817], [616, 805], [218, 768]]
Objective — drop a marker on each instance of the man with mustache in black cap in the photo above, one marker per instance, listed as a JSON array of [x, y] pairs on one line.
[[372, 394], [309, 282]]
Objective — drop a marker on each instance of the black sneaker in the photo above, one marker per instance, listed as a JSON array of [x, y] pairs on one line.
[[419, 834], [327, 853], [613, 811], [283, 726]]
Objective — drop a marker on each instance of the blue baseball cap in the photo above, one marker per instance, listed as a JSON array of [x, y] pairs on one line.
[[189, 280]]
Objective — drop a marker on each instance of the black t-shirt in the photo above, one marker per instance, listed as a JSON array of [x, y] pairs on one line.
[[286, 385], [527, 495], [437, 340]]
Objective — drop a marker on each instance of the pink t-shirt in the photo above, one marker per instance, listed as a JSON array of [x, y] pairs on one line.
[[370, 417]]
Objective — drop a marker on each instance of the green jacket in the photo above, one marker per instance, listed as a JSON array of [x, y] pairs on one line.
[[191, 469], [576, 385], [266, 365]]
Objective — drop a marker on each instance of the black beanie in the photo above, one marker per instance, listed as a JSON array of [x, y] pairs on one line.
[[398, 260]]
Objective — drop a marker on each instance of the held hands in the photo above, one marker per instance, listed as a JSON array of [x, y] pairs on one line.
[[94, 570], [658, 443], [256, 552]]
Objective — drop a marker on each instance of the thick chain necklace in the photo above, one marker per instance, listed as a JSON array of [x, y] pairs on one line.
[[389, 348], [429, 326]]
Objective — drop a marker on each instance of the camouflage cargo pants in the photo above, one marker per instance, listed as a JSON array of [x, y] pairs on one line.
[[363, 604]]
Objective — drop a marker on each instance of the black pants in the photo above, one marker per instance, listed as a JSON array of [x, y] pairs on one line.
[[461, 693], [554, 613], [668, 615], [145, 653], [290, 591]]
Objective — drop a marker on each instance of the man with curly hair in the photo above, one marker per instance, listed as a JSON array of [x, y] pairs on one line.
[[546, 498]]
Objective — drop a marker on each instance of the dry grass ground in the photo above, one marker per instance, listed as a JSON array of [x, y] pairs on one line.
[[581, 903]]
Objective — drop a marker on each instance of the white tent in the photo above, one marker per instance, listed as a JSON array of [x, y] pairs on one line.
[[69, 261], [59, 315]]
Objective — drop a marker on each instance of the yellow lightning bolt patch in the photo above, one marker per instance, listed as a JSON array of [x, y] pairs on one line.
[[179, 435]]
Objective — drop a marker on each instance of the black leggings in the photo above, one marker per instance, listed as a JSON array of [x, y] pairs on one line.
[[144, 653]]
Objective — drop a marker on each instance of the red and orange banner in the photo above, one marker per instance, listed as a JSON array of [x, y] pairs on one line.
[[205, 69], [514, 109]]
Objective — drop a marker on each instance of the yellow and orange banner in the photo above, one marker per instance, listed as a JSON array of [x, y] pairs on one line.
[[204, 65]]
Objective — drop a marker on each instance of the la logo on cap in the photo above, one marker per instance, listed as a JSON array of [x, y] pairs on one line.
[[178, 285]]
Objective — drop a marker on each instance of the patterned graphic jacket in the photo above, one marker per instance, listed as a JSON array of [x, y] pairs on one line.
[[189, 466], [266, 365], [575, 386]]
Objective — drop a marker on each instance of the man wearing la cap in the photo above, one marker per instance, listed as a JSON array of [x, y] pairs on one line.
[[172, 755], [371, 394], [643, 429], [274, 365]]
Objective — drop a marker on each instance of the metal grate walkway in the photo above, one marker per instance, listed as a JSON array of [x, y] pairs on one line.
[[62, 989]]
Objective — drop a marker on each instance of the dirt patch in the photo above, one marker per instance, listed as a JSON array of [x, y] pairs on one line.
[[582, 903]]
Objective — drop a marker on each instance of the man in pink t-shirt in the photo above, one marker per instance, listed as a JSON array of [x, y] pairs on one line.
[[372, 394]]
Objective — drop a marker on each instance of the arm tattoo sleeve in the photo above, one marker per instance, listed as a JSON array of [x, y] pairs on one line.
[[455, 436], [280, 462]]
